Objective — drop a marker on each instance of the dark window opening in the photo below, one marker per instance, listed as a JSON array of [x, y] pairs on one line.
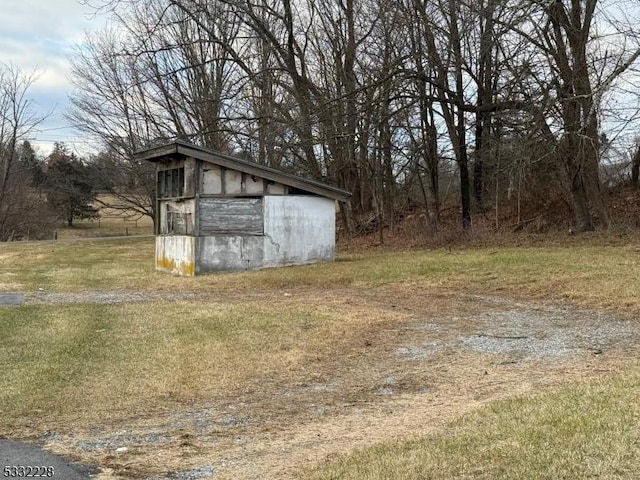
[[171, 183]]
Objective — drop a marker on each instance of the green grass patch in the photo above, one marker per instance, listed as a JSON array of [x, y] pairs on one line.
[[77, 265], [583, 431]]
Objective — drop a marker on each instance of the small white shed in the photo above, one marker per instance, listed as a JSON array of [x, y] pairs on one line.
[[216, 213]]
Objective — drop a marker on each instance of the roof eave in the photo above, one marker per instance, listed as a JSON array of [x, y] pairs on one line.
[[264, 172], [158, 154]]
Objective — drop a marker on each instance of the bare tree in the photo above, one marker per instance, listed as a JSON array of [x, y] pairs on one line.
[[566, 38], [374, 96], [20, 204], [582, 65], [156, 76]]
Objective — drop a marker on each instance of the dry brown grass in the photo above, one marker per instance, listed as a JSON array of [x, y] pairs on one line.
[[107, 227], [111, 221], [262, 373]]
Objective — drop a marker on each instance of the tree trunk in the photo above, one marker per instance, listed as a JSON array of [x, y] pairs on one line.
[[485, 79], [594, 190], [465, 194], [635, 170], [580, 145], [478, 182], [580, 204]]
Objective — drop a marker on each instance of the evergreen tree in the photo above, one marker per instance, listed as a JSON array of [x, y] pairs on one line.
[[29, 163], [68, 184]]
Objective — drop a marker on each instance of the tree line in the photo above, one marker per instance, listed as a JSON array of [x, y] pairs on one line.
[[35, 192], [405, 103]]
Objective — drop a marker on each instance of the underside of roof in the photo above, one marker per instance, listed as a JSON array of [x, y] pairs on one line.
[[185, 149]]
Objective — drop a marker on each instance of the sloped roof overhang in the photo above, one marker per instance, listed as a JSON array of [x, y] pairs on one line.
[[186, 149]]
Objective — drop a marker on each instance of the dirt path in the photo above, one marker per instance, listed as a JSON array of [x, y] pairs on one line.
[[449, 355]]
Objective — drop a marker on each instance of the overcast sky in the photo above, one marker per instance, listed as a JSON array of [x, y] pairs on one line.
[[40, 35]]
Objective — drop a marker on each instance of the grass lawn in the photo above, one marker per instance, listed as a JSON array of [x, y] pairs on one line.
[[111, 223], [582, 431], [593, 271], [66, 364]]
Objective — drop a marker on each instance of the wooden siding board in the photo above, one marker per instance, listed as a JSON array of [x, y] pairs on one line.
[[170, 164], [196, 203], [176, 217], [190, 176], [212, 180], [158, 154], [230, 215]]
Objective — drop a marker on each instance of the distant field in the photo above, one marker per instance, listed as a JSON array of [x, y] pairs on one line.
[[111, 222], [107, 227], [269, 374]]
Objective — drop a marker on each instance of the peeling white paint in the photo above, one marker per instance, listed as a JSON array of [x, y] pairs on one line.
[[232, 182], [212, 180], [298, 229], [229, 252]]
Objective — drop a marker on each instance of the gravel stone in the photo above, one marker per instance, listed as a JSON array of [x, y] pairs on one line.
[[196, 474], [11, 299], [419, 352], [536, 332], [43, 297], [118, 441]]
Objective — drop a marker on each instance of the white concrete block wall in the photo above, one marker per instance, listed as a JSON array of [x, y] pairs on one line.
[[298, 229], [176, 254], [229, 252]]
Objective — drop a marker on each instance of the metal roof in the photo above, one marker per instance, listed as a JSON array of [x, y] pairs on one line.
[[182, 148]]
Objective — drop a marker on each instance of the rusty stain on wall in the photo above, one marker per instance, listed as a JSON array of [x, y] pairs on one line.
[[174, 253], [181, 268]]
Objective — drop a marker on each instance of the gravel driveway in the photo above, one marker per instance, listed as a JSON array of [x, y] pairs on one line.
[[447, 355]]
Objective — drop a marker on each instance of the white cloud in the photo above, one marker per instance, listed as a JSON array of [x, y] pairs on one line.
[[40, 35]]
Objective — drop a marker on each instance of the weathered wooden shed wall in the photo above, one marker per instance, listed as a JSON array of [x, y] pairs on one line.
[[294, 230], [231, 215], [216, 212], [176, 254], [224, 181], [176, 217]]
